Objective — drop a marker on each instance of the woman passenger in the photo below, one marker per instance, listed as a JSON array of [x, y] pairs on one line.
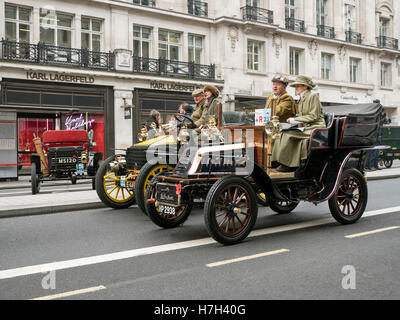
[[287, 149]]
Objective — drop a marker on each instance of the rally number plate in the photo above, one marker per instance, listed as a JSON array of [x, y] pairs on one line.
[[66, 160], [167, 210]]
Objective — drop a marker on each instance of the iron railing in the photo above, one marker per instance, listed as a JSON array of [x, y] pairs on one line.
[[257, 14], [353, 37], [197, 8], [294, 24], [326, 32], [388, 43], [148, 3], [172, 68], [42, 53]]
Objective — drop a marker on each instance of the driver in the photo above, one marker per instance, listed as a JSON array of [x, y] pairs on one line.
[[200, 100]]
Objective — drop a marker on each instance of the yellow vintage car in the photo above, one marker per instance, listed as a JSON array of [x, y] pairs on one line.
[[122, 179]]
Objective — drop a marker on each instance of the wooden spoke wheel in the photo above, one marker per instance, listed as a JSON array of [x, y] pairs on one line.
[[348, 203], [171, 218], [230, 210], [388, 163], [113, 190], [147, 172]]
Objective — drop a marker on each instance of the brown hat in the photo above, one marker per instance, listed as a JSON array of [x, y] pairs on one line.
[[304, 81], [215, 92]]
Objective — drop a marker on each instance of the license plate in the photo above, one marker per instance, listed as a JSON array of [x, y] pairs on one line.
[[122, 182], [66, 160], [166, 210]]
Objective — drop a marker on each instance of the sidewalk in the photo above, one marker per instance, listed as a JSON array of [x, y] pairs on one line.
[[45, 203]]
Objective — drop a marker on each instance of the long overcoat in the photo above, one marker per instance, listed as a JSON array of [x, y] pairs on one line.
[[288, 147]]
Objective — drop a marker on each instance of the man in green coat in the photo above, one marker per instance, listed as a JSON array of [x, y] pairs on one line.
[[280, 101], [288, 148], [200, 99]]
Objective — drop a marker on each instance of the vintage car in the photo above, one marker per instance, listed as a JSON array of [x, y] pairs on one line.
[[229, 175], [122, 179], [390, 137], [63, 155]]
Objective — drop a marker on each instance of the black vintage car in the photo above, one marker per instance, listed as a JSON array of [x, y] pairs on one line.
[[229, 175], [390, 137]]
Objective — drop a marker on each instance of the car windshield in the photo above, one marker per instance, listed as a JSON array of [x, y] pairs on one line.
[[244, 113]]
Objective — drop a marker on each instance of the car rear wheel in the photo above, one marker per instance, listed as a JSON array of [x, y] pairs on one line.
[[147, 172], [388, 163], [348, 203], [230, 210], [283, 207], [172, 218], [109, 188]]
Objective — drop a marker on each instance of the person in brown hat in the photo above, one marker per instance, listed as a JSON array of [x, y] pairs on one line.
[[288, 148], [213, 100], [279, 100]]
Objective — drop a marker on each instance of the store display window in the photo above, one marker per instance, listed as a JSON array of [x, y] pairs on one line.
[[27, 128], [93, 123]]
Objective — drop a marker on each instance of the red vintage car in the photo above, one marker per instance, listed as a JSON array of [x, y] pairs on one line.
[[63, 155]]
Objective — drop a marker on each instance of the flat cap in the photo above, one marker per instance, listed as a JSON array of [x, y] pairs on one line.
[[197, 92]]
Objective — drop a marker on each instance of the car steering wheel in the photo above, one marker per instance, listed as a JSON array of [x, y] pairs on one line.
[[181, 119]]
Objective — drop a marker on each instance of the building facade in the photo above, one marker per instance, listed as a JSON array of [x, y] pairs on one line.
[[108, 63]]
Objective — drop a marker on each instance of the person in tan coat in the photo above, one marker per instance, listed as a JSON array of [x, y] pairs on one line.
[[200, 100], [280, 101], [287, 148]]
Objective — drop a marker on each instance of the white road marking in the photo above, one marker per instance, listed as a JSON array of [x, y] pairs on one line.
[[71, 293], [255, 256], [362, 234], [35, 269]]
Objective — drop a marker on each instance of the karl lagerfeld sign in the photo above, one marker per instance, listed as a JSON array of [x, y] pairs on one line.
[[173, 86], [61, 77]]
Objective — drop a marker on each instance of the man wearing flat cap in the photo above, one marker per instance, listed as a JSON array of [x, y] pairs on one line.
[[288, 151], [280, 101], [200, 100]]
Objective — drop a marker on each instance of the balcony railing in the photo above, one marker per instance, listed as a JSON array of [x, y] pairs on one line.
[[353, 37], [148, 3], [197, 8], [294, 24], [42, 53], [388, 43], [326, 32], [257, 14], [172, 68]]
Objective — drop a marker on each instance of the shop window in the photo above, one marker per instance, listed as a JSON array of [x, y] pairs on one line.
[[27, 127], [93, 123]]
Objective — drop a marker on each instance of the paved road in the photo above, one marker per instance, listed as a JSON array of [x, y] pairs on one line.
[[303, 255]]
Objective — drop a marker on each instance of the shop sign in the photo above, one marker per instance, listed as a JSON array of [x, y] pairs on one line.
[[173, 86], [349, 98], [60, 77], [72, 123]]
